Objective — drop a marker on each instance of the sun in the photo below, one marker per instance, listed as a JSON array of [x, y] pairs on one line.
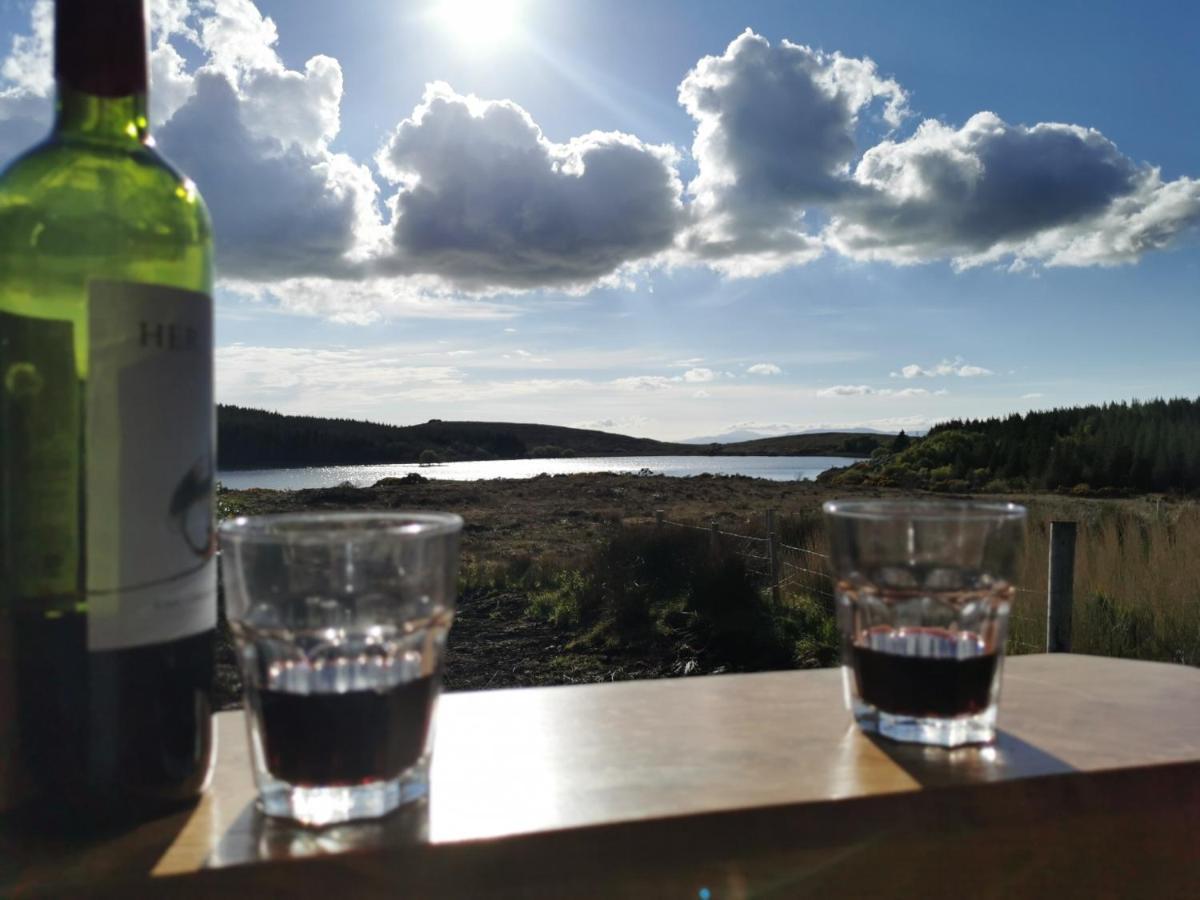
[[479, 23]]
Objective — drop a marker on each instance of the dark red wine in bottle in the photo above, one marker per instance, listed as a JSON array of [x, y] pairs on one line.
[[107, 567]]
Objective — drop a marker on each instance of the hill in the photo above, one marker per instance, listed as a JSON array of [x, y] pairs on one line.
[[828, 443], [1115, 448], [254, 438], [739, 435]]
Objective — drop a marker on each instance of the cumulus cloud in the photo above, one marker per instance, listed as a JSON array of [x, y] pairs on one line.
[[775, 133], [699, 374], [26, 79], [29, 64], [954, 366], [846, 390], [865, 390], [764, 369], [281, 211], [486, 200], [1054, 193], [777, 146]]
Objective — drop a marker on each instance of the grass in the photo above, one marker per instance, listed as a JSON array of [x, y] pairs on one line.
[[553, 539], [1137, 578]]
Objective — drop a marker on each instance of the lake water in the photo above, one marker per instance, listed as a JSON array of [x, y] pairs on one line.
[[774, 468]]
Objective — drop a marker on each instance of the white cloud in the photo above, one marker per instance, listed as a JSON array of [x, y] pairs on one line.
[[777, 129], [700, 374], [846, 390], [645, 382], [280, 211], [954, 366], [864, 390], [486, 200], [323, 379], [1033, 395], [29, 64], [764, 369], [701, 394], [26, 79], [364, 301], [775, 132], [988, 191]]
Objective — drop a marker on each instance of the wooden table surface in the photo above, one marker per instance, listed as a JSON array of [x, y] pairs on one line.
[[739, 785]]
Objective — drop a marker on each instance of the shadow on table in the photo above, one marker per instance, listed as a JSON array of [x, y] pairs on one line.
[[42, 856], [256, 837], [1008, 758]]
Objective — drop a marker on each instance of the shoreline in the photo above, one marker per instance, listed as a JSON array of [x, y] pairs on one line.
[[413, 462]]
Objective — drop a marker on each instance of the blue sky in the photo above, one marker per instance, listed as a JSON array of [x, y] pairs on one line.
[[639, 217]]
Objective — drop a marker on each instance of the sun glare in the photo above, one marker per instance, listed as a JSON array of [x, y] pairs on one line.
[[479, 23]]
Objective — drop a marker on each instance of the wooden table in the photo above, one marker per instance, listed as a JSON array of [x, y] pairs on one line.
[[736, 785]]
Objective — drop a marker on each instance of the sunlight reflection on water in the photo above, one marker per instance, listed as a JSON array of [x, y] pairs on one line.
[[773, 468]]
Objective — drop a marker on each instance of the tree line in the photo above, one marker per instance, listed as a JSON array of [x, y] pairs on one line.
[[1135, 447]]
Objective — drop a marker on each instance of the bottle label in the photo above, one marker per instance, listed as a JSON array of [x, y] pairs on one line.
[[149, 470]]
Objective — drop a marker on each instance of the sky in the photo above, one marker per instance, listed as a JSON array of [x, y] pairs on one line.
[[680, 219]]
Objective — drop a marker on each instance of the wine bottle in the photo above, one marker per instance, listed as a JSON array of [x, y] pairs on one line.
[[107, 554]]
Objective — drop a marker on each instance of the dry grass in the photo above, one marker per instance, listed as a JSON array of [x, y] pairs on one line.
[[1137, 585], [1137, 577]]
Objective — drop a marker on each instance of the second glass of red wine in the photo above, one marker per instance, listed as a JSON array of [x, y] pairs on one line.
[[924, 590], [341, 622]]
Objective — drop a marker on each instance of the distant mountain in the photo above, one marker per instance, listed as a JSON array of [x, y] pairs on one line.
[[750, 434], [818, 443], [255, 438], [729, 437]]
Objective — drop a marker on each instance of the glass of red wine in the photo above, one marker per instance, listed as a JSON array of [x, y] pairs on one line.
[[340, 621], [923, 591]]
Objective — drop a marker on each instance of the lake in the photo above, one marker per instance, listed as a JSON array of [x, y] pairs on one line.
[[774, 468]]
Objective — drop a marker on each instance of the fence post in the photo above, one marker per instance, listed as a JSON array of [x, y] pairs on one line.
[[1061, 590], [658, 519], [773, 556], [714, 538]]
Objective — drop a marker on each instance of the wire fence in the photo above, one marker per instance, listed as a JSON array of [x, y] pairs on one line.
[[793, 572]]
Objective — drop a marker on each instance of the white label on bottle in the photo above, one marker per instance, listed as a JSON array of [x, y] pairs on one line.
[[149, 449]]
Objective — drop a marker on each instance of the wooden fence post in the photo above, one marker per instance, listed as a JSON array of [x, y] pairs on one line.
[[1061, 590], [773, 556], [658, 519], [714, 538]]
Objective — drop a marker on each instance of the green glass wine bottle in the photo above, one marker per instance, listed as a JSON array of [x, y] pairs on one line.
[[107, 562]]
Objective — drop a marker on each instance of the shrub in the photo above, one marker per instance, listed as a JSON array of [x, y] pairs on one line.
[[644, 584]]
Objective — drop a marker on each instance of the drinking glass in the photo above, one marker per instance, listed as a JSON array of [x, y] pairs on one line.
[[340, 621], [923, 591]]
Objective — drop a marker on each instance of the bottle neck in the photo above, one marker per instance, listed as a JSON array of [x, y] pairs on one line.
[[100, 69], [115, 120]]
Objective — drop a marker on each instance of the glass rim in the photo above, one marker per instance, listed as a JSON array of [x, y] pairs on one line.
[[923, 510], [338, 527]]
